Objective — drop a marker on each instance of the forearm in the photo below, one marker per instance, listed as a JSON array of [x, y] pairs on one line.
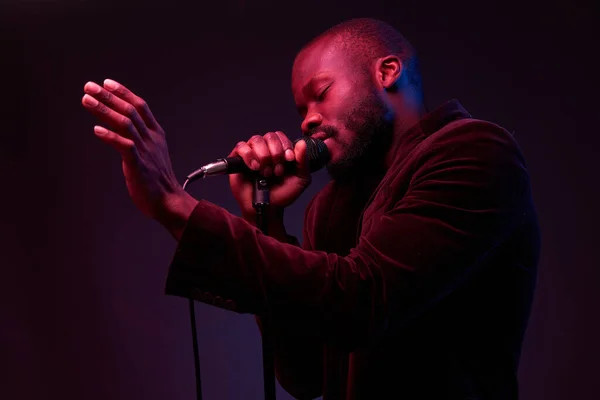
[[275, 227], [226, 256], [179, 207]]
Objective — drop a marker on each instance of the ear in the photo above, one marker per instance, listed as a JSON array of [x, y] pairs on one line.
[[389, 70]]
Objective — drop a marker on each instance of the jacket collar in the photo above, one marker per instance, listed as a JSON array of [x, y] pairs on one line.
[[448, 112]]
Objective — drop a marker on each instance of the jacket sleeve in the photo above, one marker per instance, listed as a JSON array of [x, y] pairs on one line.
[[468, 193]]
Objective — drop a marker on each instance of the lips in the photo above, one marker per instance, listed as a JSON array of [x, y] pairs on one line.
[[320, 136]]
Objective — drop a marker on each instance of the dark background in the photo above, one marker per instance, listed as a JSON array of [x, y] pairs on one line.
[[82, 310]]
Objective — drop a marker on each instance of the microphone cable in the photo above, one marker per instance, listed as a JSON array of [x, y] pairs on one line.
[[195, 337]]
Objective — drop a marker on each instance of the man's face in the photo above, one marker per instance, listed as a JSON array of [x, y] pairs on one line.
[[340, 104]]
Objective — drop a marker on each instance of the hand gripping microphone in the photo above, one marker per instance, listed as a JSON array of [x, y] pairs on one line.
[[318, 156]]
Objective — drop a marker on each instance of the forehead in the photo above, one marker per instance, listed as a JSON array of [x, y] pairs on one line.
[[319, 58]]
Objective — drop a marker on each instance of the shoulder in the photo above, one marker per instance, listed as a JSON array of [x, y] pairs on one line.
[[465, 153], [469, 133], [469, 141]]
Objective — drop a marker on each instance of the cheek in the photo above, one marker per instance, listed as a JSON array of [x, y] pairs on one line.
[[339, 112], [340, 103], [344, 137]]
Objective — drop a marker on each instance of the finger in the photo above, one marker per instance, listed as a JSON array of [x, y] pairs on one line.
[[276, 149], [140, 104], [115, 103], [263, 155], [288, 146], [302, 166], [244, 150], [122, 124], [123, 145]]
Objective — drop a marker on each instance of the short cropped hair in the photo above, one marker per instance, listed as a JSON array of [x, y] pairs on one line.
[[367, 39]]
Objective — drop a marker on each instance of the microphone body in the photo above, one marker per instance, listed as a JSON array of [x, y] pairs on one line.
[[318, 156]]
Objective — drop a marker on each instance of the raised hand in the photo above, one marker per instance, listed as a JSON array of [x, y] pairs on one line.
[[135, 134]]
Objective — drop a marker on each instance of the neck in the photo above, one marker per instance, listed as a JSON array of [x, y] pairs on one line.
[[408, 111]]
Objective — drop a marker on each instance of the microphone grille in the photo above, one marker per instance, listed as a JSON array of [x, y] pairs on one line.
[[318, 154]]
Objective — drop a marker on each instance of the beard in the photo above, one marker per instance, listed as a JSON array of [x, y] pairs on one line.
[[372, 123]]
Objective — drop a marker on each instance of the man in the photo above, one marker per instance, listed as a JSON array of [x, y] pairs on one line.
[[417, 268]]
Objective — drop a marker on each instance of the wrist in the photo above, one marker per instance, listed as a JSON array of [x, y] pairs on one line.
[[176, 211]]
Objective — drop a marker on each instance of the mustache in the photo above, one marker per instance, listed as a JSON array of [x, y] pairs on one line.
[[327, 129]]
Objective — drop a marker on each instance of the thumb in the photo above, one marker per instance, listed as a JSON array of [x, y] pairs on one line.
[[302, 165]]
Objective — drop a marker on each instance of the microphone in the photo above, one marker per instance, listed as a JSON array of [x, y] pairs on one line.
[[318, 156]]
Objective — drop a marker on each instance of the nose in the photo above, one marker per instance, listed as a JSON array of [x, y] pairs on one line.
[[310, 122]]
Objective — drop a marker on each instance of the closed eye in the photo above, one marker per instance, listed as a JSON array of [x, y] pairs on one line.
[[321, 95]]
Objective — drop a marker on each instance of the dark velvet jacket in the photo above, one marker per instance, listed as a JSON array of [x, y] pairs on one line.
[[415, 286]]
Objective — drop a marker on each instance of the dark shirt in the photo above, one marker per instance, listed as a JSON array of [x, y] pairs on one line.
[[417, 285]]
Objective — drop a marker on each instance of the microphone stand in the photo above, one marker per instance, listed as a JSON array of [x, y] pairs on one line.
[[260, 202]]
